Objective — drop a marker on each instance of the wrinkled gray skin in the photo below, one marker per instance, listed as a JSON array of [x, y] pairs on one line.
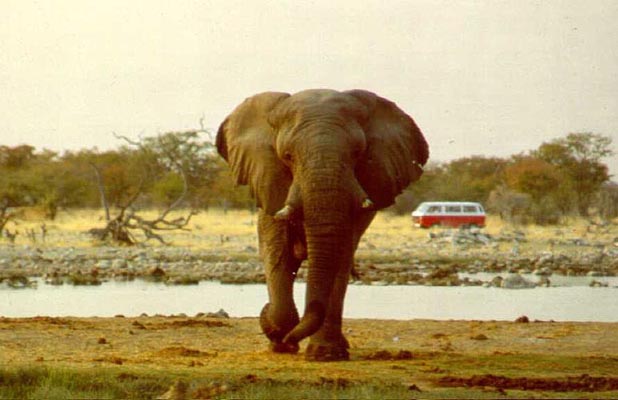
[[320, 163]]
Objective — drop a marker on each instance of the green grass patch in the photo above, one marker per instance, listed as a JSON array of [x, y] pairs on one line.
[[121, 382], [321, 390], [59, 383]]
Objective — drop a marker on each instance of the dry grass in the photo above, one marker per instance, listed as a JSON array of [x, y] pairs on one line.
[[208, 229], [388, 235]]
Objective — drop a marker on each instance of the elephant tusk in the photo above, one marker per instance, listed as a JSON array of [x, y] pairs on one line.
[[285, 213], [367, 203]]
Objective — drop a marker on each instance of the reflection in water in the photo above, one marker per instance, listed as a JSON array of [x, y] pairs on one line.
[[579, 303]]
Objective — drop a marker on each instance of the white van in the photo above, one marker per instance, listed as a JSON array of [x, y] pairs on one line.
[[449, 213]]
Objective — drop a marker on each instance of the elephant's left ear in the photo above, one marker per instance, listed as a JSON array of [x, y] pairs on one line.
[[396, 150]]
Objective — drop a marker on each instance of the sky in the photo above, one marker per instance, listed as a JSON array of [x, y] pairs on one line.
[[491, 78]]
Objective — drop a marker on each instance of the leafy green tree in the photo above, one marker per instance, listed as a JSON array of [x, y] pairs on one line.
[[224, 193], [534, 177], [473, 178], [167, 189], [13, 158], [579, 157], [168, 169], [465, 179], [16, 188], [606, 201], [509, 205], [184, 155], [119, 171], [550, 192]]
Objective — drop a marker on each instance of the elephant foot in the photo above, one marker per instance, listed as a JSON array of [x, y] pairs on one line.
[[281, 347], [275, 333], [327, 352], [333, 347]]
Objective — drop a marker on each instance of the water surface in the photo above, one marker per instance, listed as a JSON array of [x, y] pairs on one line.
[[563, 303]]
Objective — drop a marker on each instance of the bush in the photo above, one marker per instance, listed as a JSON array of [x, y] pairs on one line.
[[520, 208], [606, 201], [510, 205]]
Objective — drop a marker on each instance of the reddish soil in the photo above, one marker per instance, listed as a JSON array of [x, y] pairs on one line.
[[582, 383]]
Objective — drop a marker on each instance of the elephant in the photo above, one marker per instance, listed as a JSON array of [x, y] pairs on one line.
[[320, 163]]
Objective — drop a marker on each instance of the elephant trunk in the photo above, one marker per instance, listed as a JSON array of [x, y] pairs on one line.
[[327, 203]]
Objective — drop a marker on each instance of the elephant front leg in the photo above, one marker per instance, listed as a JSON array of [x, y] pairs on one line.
[[279, 315], [329, 343]]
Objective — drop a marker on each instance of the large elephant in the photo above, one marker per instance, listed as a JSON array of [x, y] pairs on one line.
[[320, 163]]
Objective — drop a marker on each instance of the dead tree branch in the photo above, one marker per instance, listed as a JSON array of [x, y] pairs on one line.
[[123, 226], [101, 187]]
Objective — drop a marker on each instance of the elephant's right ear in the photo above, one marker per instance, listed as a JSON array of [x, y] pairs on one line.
[[247, 142]]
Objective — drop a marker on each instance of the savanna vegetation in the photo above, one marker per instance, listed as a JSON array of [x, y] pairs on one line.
[[146, 187], [563, 177]]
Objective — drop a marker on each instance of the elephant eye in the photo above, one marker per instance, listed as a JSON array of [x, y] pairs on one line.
[[287, 156]]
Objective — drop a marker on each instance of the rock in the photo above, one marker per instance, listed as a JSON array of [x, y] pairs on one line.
[[595, 283], [182, 280], [156, 272], [104, 264], [544, 281], [544, 271], [522, 320], [20, 282], [496, 282], [442, 272], [219, 314], [516, 281], [119, 263]]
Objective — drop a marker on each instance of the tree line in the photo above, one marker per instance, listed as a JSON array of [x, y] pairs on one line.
[[565, 176], [562, 177]]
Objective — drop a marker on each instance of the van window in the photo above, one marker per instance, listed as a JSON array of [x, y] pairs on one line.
[[470, 209], [453, 209], [434, 209]]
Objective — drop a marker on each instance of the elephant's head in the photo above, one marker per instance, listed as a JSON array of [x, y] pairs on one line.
[[324, 156]]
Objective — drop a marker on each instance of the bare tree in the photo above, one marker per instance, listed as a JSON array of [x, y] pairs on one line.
[[5, 215], [170, 149]]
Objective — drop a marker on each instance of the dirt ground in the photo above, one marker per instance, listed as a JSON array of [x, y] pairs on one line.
[[429, 359], [432, 358]]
